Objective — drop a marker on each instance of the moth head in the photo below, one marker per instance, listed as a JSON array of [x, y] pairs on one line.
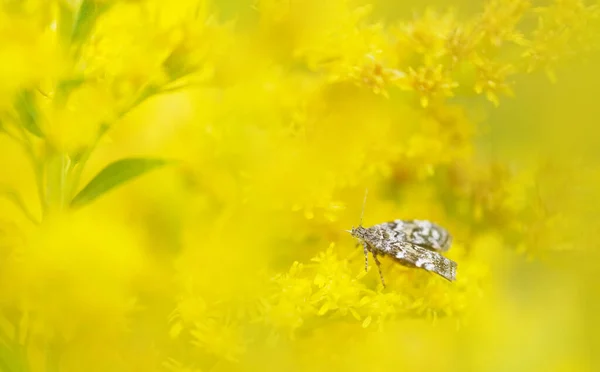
[[358, 232]]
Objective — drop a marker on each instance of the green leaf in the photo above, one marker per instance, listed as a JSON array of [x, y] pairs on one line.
[[114, 175], [86, 18], [64, 89], [25, 106], [65, 21]]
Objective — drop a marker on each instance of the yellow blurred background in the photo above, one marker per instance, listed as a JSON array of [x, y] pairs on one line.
[[177, 178]]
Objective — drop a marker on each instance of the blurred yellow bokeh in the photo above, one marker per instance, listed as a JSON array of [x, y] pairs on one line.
[[177, 178]]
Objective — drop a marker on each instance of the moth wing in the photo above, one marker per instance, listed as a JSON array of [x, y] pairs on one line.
[[423, 233], [412, 255]]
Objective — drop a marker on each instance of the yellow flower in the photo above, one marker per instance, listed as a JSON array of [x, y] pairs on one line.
[[71, 278], [73, 125], [427, 36], [178, 178], [492, 80], [219, 338], [291, 303], [24, 42], [430, 84], [375, 76], [552, 42], [500, 19]]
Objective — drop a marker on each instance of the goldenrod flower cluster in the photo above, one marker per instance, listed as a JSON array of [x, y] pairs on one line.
[[177, 178]]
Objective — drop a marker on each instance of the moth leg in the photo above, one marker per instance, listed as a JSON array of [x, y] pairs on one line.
[[379, 268]]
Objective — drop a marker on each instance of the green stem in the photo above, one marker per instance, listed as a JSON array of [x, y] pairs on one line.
[[82, 161], [58, 167], [145, 93]]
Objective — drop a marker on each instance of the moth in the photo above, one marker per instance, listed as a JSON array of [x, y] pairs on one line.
[[412, 243]]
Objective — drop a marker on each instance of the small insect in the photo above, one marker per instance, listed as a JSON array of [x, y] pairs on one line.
[[412, 243]]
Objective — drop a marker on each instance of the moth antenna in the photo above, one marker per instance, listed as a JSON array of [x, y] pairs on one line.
[[362, 213]]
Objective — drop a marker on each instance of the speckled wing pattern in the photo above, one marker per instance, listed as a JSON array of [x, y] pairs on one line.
[[413, 243], [412, 255], [423, 233]]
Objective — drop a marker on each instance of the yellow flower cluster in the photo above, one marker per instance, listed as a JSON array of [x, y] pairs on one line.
[[177, 178]]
